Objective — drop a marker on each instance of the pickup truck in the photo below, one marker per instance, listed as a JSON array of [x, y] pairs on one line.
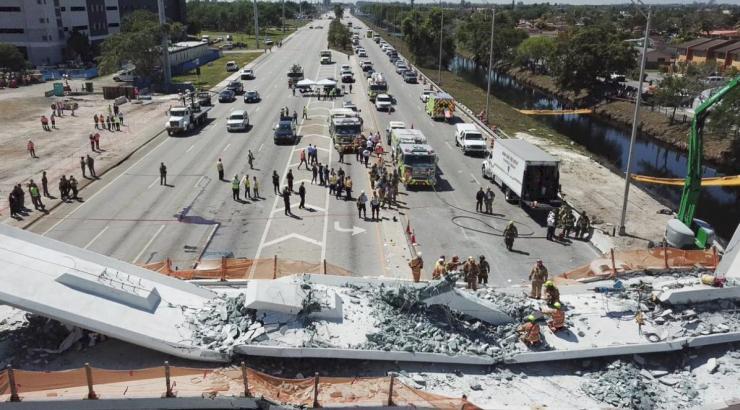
[[204, 99], [525, 173], [469, 139], [285, 131], [186, 118]]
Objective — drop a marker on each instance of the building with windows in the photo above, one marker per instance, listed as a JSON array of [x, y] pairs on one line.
[[40, 28]]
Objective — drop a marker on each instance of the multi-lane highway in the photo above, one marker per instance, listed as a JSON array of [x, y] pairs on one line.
[[132, 217]]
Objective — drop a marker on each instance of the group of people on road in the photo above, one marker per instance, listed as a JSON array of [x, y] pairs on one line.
[[564, 219], [484, 198], [474, 272], [17, 198], [530, 333]]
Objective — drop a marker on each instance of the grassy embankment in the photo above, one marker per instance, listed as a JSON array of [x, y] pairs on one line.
[[502, 114], [215, 71], [274, 33]]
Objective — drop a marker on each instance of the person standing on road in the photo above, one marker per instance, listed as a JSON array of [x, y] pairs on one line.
[[416, 265], [321, 174], [220, 169], [479, 196], [289, 177], [73, 187], [235, 187], [256, 188], [247, 188], [538, 276], [326, 174], [295, 114], [302, 195], [33, 192], [91, 167], [305, 113], [366, 156], [95, 118], [63, 188], [471, 272], [276, 182], [489, 200], [375, 207], [162, 174], [250, 157], [314, 173], [348, 188], [97, 141], [551, 218], [483, 270], [509, 234], [83, 166], [92, 142], [45, 184], [31, 149], [361, 209], [350, 88], [286, 200], [53, 120], [303, 159]]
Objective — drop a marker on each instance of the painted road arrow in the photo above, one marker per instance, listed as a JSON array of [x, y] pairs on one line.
[[355, 229]]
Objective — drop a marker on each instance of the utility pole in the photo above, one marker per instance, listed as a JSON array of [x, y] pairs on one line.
[[165, 46], [635, 120], [490, 63], [283, 18], [441, 36], [256, 26]]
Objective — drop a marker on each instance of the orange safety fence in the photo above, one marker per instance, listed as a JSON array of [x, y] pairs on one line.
[[241, 268], [228, 382], [659, 258]]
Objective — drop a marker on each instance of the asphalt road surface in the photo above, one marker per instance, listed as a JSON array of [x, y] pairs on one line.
[[130, 216]]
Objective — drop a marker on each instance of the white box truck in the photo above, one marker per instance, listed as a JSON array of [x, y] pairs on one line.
[[525, 173]]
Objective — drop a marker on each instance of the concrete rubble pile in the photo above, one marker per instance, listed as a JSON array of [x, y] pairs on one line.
[[626, 385], [225, 322], [406, 324]]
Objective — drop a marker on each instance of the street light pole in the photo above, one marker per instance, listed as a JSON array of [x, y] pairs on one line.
[[635, 122], [165, 46], [441, 36], [490, 63], [283, 18], [256, 25]]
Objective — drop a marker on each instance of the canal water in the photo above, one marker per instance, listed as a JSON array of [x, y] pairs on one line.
[[719, 206]]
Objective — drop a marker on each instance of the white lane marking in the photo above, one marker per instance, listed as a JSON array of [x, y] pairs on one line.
[[161, 228], [103, 188], [260, 148], [198, 181], [226, 147], [354, 229], [191, 147], [475, 179], [153, 182], [95, 238], [294, 236]]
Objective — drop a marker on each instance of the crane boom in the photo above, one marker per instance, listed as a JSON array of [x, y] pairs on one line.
[[692, 185]]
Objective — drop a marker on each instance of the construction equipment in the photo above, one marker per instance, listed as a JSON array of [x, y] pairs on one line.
[[684, 231]]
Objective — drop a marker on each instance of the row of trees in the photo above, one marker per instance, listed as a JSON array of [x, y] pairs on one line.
[[238, 16], [340, 38]]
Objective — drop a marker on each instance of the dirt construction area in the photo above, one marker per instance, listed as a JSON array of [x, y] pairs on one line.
[[59, 149]]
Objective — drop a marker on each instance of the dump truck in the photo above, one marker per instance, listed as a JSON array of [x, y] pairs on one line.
[[186, 118], [440, 106], [376, 84], [525, 173], [416, 164]]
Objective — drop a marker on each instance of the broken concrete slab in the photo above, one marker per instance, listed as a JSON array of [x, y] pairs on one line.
[[470, 305], [698, 293], [40, 261], [274, 296]]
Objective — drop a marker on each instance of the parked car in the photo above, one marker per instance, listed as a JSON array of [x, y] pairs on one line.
[[362, 53], [252, 97], [366, 65], [425, 95], [232, 66], [383, 102], [410, 77], [238, 120], [126, 76], [247, 74], [401, 68], [226, 96], [236, 86]]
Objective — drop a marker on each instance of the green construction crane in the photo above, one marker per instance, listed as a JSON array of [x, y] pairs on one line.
[[700, 236]]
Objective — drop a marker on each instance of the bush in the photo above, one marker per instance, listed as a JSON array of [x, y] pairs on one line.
[[340, 37]]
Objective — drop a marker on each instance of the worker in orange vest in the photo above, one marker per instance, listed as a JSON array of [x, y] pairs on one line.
[[557, 315], [530, 332]]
